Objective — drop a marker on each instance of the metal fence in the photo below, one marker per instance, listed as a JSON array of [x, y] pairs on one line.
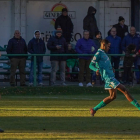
[[35, 55]]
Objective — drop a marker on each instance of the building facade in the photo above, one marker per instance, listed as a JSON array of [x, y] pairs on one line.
[[29, 15]]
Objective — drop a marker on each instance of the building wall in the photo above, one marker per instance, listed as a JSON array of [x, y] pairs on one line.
[[5, 21], [28, 15]]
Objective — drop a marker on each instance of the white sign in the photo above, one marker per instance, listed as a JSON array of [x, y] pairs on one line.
[[56, 14]]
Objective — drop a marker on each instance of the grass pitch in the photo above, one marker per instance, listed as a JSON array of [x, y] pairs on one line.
[[63, 113]]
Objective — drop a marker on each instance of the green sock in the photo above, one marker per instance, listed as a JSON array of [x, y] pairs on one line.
[[136, 104], [100, 105]]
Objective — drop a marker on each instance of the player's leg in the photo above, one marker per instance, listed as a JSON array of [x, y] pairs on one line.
[[106, 101], [123, 89], [113, 94]]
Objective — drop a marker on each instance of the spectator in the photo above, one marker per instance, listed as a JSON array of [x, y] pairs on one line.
[[89, 22], [58, 29], [138, 61], [57, 45], [17, 45], [85, 46], [71, 51], [115, 48], [36, 46], [132, 38], [97, 40], [121, 28], [66, 24], [128, 63], [72, 63]]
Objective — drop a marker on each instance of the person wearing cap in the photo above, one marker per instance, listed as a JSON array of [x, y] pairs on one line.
[[64, 21], [17, 45], [115, 48], [85, 45], [36, 46], [58, 29], [122, 29], [90, 23], [57, 45]]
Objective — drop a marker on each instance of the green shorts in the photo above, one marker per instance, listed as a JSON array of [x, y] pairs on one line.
[[111, 83]]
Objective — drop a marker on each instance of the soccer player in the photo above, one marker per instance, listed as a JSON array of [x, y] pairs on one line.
[[102, 65]]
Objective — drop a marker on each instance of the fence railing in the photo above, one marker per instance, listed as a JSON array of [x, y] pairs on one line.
[[35, 55]]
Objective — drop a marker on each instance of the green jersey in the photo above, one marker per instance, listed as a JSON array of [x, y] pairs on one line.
[[102, 63]]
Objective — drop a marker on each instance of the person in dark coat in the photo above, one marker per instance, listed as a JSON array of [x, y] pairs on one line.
[[64, 21], [36, 46], [115, 48], [17, 45], [121, 28], [57, 45], [128, 63], [97, 40], [132, 38], [90, 23]]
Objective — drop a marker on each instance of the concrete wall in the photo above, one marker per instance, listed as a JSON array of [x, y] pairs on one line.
[[5, 21]]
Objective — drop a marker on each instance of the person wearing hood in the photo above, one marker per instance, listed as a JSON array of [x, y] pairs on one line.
[[64, 21], [17, 45], [121, 28], [57, 45], [132, 38], [90, 23], [36, 46]]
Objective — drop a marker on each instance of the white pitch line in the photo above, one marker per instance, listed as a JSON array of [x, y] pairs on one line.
[[117, 132], [106, 132], [45, 97]]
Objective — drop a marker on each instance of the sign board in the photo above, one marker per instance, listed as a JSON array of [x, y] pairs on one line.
[[42, 15]]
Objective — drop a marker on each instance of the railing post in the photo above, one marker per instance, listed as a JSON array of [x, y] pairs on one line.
[[34, 70]]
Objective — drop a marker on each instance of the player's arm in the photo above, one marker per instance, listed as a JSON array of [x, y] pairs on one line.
[[93, 65]]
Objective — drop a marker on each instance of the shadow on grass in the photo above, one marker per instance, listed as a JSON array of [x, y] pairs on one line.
[[92, 125]]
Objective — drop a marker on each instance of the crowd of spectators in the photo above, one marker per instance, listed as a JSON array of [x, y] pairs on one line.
[[122, 41]]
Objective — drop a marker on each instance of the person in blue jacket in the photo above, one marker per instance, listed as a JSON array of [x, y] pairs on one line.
[[115, 48], [36, 46], [132, 38], [85, 46]]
